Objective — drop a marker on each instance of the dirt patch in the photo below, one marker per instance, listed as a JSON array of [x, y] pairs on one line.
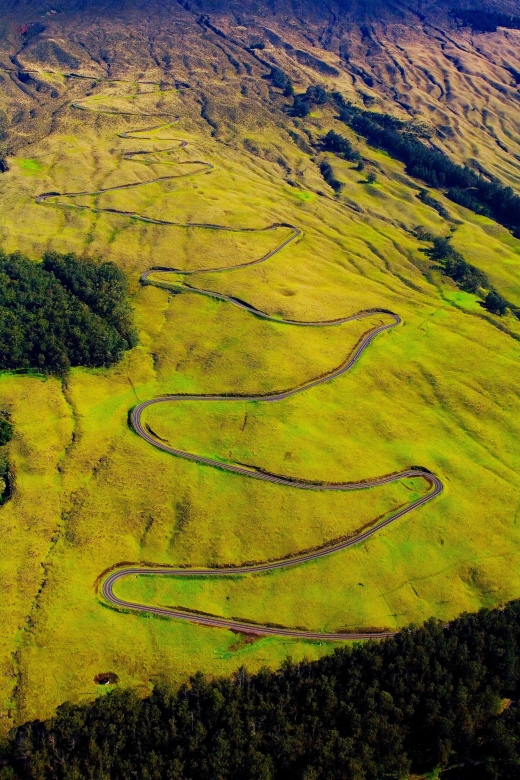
[[106, 678], [243, 639]]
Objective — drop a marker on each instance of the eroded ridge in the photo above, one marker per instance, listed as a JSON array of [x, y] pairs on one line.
[[433, 483]]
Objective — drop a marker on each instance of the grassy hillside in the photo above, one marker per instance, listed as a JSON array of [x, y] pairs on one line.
[[439, 391]]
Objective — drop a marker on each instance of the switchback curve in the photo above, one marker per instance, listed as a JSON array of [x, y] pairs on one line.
[[434, 484]]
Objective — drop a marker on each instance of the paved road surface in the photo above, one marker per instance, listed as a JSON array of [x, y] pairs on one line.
[[379, 325]]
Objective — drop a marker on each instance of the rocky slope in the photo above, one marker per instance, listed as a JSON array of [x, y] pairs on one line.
[[412, 59]]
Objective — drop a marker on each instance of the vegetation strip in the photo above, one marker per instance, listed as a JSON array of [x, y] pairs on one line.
[[484, 195], [434, 483]]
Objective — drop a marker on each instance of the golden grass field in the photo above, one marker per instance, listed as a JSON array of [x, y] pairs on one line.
[[440, 391]]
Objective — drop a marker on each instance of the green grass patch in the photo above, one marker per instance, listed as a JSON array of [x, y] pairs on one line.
[[465, 300], [29, 165], [307, 197]]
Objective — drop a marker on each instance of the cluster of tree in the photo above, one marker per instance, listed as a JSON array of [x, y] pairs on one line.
[[62, 312], [328, 175], [4, 133], [303, 103], [101, 285], [495, 303], [422, 700], [6, 430], [387, 121], [463, 185], [340, 146], [466, 276], [281, 80], [486, 21]]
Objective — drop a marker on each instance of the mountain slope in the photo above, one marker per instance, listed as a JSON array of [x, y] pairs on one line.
[[160, 138]]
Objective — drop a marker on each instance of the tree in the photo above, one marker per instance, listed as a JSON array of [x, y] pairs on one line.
[[371, 178], [336, 143], [495, 303], [301, 106]]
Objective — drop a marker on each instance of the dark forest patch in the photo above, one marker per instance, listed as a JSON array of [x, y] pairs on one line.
[[486, 21], [430, 698], [62, 312]]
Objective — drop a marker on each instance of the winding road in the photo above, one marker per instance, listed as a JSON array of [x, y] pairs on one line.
[[433, 483]]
